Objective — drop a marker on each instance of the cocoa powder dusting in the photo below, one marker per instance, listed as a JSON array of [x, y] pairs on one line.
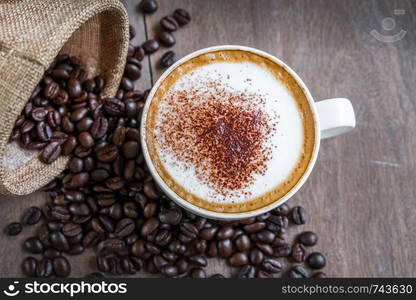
[[220, 132]]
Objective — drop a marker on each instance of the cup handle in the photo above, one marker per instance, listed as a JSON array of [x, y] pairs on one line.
[[336, 116]]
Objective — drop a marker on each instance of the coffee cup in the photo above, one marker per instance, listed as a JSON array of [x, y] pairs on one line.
[[231, 132]]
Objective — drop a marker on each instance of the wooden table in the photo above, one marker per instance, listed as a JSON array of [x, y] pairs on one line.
[[362, 193]]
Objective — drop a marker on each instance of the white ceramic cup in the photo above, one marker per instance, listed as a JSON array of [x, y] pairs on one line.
[[332, 117]]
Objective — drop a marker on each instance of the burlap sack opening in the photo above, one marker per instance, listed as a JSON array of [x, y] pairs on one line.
[[32, 34]]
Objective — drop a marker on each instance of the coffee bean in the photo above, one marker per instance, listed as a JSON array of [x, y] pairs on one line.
[[132, 71], [149, 189], [148, 6], [182, 16], [149, 226], [124, 227], [256, 257], [44, 268], [265, 248], [32, 215], [255, 227], [298, 272], [29, 266], [80, 179], [308, 238], [113, 106], [189, 230], [225, 248], [53, 119], [243, 242], [61, 213], [59, 241], [283, 251], [61, 267], [282, 210], [167, 59], [86, 139], [319, 275], [74, 88], [197, 273], [299, 215], [71, 229], [169, 24], [84, 125], [264, 274], [169, 270], [107, 153], [238, 259], [225, 232], [208, 233], [316, 260], [265, 236], [126, 84], [272, 265], [69, 145], [76, 165], [33, 245], [130, 149], [248, 271], [51, 90], [171, 216], [167, 39], [150, 46], [50, 153], [13, 228], [38, 114], [99, 127]]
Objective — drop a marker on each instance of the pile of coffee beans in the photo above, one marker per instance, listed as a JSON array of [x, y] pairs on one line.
[[168, 25], [107, 200]]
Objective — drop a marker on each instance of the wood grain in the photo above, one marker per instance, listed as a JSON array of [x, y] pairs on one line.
[[361, 194]]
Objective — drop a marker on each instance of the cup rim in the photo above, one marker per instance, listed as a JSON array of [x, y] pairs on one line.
[[217, 215]]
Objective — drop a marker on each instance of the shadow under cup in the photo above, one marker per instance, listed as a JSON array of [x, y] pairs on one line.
[[281, 192]]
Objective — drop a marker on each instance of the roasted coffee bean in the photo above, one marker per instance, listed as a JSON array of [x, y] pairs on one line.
[[29, 266], [316, 260], [81, 151], [264, 274], [265, 248], [79, 114], [198, 260], [265, 236], [149, 189], [80, 179], [51, 90], [272, 265], [43, 131], [50, 153], [208, 233], [86, 139], [126, 84], [148, 6], [225, 232], [59, 136], [84, 125], [69, 146], [44, 268], [130, 149], [74, 88], [182, 16], [225, 248], [308, 238], [238, 259], [255, 227], [59, 241], [38, 114], [283, 251], [167, 59], [282, 210], [131, 108], [71, 229], [13, 228], [299, 215], [79, 209], [189, 230], [298, 272], [76, 165], [169, 24], [170, 216], [107, 153], [32, 215], [61, 213], [33, 245], [132, 71], [150, 46], [74, 196], [169, 270], [167, 39], [113, 106], [124, 227], [149, 226], [61, 267], [248, 271], [99, 127], [243, 242], [256, 257], [198, 273]]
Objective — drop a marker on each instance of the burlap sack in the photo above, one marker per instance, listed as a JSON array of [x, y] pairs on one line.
[[32, 33]]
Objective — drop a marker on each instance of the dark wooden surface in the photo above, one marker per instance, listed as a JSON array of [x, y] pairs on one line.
[[361, 195]]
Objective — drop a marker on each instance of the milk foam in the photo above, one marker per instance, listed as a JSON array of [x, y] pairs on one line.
[[285, 143]]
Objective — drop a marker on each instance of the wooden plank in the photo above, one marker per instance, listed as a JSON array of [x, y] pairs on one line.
[[361, 193]]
